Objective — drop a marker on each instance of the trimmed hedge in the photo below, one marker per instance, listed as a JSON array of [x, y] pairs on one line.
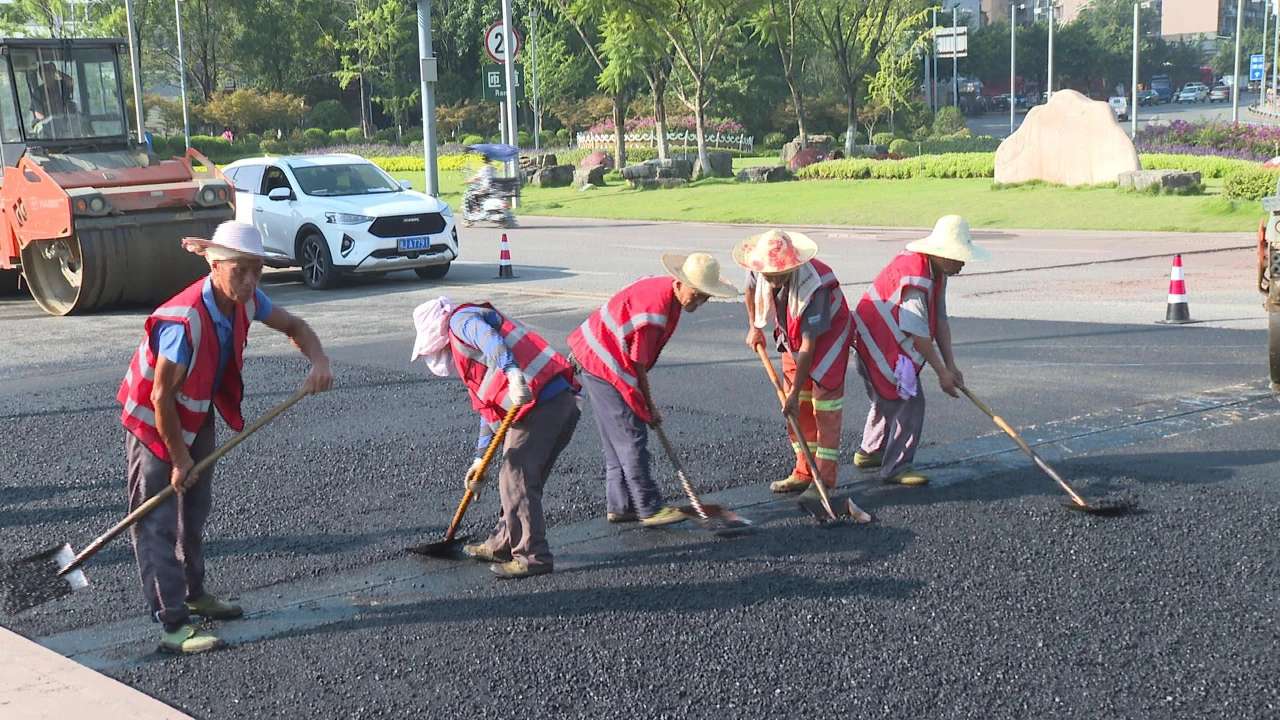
[[410, 163], [951, 165], [1252, 184], [355, 135], [773, 141], [215, 148], [1207, 165], [315, 137]]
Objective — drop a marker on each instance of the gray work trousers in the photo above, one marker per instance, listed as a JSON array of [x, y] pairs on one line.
[[893, 427], [628, 484], [169, 541], [529, 452]]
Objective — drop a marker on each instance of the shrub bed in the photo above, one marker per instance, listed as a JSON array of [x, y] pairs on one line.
[[1250, 184], [951, 165]]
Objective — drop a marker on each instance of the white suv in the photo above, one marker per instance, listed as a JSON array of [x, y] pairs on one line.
[[338, 214]]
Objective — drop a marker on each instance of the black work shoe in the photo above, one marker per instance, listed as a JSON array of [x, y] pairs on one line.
[[621, 517]]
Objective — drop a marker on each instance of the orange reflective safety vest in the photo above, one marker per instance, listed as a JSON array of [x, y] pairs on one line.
[[609, 344], [879, 338], [487, 386], [831, 348], [196, 394]]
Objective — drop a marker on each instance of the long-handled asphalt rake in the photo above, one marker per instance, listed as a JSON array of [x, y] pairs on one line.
[[715, 518], [822, 510], [1103, 507], [450, 548], [29, 582]]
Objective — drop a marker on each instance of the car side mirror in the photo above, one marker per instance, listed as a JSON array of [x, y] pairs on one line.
[[406, 185], [280, 194]]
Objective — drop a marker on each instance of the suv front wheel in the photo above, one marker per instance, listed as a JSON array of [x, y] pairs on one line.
[[317, 264], [433, 272]]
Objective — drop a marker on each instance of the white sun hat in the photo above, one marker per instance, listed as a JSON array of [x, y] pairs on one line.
[[232, 240], [775, 251], [950, 239], [701, 271]]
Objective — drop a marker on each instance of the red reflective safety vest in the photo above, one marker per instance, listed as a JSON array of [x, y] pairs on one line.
[[487, 386], [879, 338], [196, 395], [609, 345], [831, 348]]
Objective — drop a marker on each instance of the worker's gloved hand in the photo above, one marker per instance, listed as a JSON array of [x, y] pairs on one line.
[[474, 477], [518, 388]]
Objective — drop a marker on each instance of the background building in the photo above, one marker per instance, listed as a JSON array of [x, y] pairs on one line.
[[1198, 18]]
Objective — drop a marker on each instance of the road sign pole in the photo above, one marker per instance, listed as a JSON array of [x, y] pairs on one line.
[[533, 73], [1262, 86], [1235, 80], [955, 57], [1133, 91], [509, 71], [427, 68], [1013, 65], [934, 49]]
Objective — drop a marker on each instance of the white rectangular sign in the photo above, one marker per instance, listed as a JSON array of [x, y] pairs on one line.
[[952, 42]]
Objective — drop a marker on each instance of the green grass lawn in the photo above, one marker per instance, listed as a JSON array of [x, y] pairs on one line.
[[888, 203]]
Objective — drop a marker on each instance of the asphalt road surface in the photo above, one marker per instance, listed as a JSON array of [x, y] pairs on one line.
[[978, 596]]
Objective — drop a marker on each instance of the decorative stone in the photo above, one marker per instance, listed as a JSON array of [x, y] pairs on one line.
[[555, 176], [764, 174], [658, 183], [1165, 180], [598, 158], [590, 176], [1071, 140], [791, 149], [638, 172], [805, 157]]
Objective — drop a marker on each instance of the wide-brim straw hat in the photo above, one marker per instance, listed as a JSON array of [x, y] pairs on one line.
[[952, 240], [231, 240], [701, 271], [775, 251]]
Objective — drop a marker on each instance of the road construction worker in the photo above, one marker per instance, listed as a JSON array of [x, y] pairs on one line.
[[901, 324], [787, 284], [189, 363], [504, 364], [627, 333]]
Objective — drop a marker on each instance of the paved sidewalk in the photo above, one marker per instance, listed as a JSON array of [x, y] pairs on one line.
[[39, 684]]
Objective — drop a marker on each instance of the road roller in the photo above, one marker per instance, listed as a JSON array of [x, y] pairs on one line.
[[90, 218]]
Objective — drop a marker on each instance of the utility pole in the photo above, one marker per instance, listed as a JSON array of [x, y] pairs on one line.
[[955, 56], [136, 64], [1013, 63], [934, 52], [1262, 86], [1133, 91], [182, 73], [427, 69], [1235, 81], [509, 71], [536, 105], [1049, 82], [1275, 55]]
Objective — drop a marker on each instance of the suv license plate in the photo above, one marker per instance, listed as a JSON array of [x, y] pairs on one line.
[[420, 242]]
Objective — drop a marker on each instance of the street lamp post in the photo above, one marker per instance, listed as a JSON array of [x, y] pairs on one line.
[[428, 75], [1235, 79], [1133, 91], [182, 74], [1013, 65], [1049, 82], [934, 52], [955, 56], [1275, 54]]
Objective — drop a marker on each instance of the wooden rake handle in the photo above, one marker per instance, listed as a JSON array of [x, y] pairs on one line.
[[642, 376], [795, 429], [159, 498], [494, 443], [1035, 457]]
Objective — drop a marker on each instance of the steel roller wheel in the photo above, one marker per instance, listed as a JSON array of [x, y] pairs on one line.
[[55, 273], [1273, 348]]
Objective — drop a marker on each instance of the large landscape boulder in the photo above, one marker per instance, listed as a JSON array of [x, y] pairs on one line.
[[598, 158], [669, 169], [656, 183], [1163, 181], [807, 156], [764, 174], [590, 176], [1071, 140], [793, 148], [554, 176]]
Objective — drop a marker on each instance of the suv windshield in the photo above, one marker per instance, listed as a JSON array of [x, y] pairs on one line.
[[67, 93], [353, 179]]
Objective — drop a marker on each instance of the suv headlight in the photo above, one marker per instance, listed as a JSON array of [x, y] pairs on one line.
[[341, 218], [445, 210]]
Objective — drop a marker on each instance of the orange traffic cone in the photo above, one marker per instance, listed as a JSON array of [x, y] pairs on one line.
[[1177, 312], [504, 260]]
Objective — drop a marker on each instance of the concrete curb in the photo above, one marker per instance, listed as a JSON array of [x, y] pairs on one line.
[[39, 684]]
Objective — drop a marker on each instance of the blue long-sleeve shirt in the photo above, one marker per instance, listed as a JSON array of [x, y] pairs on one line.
[[478, 327]]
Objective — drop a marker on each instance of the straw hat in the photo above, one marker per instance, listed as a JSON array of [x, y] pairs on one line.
[[775, 251], [950, 239], [232, 240], [699, 270]]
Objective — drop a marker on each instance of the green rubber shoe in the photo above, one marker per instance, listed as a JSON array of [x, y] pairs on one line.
[[908, 477], [187, 640], [210, 607], [481, 553], [867, 461], [666, 516]]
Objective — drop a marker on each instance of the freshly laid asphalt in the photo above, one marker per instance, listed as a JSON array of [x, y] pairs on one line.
[[979, 596]]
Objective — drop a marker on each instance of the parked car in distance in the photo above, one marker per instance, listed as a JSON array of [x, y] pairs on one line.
[[1164, 94], [999, 102], [1192, 92], [1119, 107], [1220, 92], [334, 215], [1148, 97]]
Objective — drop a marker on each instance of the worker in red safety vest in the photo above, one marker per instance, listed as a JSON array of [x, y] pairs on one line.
[[626, 333], [900, 325], [787, 284], [504, 364], [187, 365]]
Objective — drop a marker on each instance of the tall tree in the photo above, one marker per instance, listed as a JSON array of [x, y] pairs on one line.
[[779, 23], [855, 32], [381, 48], [599, 24]]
